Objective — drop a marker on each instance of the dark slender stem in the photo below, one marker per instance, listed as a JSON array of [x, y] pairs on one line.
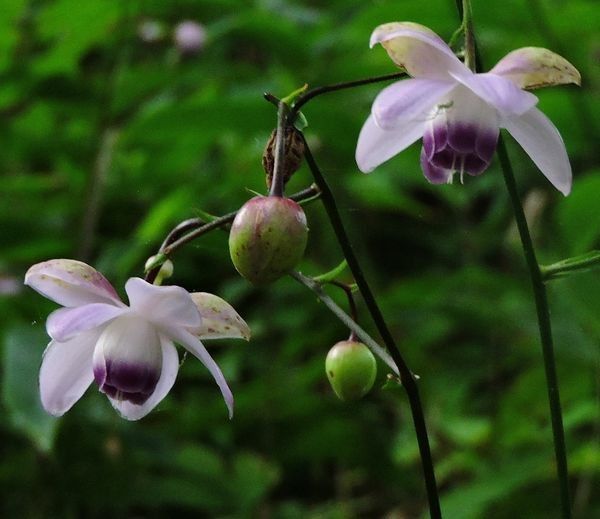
[[278, 164], [543, 316], [196, 233], [543, 312], [314, 92], [408, 379], [195, 227]]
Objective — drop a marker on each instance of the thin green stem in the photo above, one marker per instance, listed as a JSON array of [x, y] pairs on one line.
[[543, 314], [193, 228], [544, 324], [408, 379], [467, 24], [583, 263], [348, 321], [351, 304], [278, 164], [314, 92]]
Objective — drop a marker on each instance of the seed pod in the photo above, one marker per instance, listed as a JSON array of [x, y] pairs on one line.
[[351, 369], [267, 238], [294, 153]]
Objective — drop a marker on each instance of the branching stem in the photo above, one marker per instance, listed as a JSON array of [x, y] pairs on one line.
[[193, 228], [409, 380]]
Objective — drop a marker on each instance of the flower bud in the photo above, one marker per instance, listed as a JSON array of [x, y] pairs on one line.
[[351, 369], [165, 271], [267, 238], [294, 153]]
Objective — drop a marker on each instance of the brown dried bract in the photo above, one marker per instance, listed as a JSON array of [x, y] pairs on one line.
[[294, 153]]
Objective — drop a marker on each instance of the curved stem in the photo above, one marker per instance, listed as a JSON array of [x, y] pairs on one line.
[[314, 92], [346, 319], [467, 24], [351, 304], [544, 324], [195, 227], [409, 381]]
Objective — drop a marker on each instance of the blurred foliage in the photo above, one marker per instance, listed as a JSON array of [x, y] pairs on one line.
[[110, 136]]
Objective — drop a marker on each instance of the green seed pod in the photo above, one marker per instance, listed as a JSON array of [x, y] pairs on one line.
[[267, 238], [351, 369]]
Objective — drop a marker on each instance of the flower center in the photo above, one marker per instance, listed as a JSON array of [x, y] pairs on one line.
[[128, 360], [461, 134]]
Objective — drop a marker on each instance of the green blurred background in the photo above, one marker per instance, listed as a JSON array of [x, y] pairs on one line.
[[110, 135]]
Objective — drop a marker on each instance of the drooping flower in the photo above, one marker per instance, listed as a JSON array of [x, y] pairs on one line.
[[127, 350], [459, 113]]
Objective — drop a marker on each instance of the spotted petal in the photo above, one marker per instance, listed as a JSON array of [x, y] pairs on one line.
[[196, 348], [542, 142], [418, 50], [499, 92], [219, 319], [170, 367], [65, 323], [66, 372], [408, 99], [169, 305], [375, 145], [71, 283], [535, 67]]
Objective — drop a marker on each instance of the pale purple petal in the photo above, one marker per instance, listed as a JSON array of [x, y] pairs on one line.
[[66, 372], [542, 142], [418, 50], [407, 100], [535, 67], [65, 323], [194, 346], [499, 92], [71, 283], [376, 145], [168, 305], [170, 367], [219, 319]]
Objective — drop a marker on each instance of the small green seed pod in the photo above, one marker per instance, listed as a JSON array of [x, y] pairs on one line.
[[351, 369], [267, 238]]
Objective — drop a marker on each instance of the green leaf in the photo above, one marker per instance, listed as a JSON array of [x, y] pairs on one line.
[[253, 477], [578, 214], [21, 363]]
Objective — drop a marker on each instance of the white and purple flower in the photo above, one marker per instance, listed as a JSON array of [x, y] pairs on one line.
[[128, 350], [459, 113]]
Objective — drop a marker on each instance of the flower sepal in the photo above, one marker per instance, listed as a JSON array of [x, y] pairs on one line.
[[536, 67]]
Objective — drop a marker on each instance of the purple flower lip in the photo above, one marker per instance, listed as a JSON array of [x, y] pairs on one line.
[[126, 381], [459, 146]]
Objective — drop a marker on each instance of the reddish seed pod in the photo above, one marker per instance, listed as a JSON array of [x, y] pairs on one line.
[[267, 238]]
